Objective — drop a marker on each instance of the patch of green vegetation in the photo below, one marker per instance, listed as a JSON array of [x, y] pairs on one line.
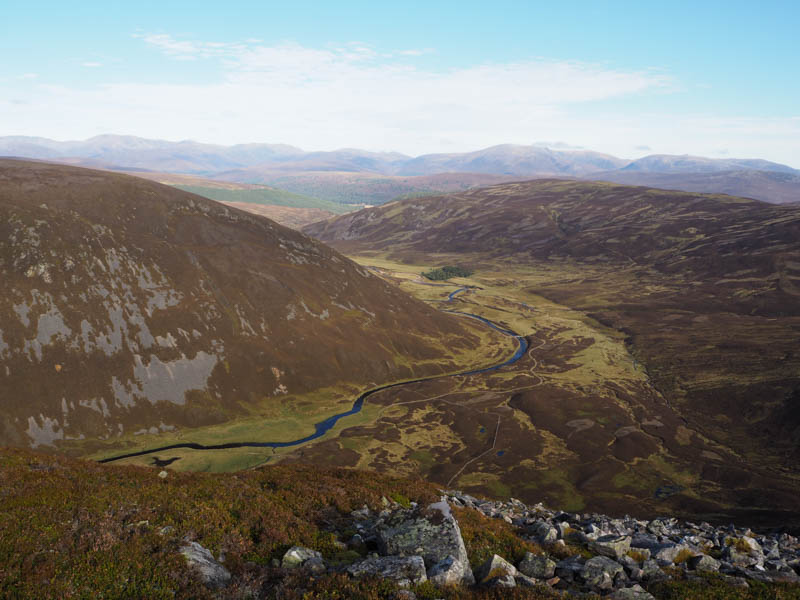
[[401, 500], [447, 272], [629, 479], [424, 458], [498, 488], [265, 195]]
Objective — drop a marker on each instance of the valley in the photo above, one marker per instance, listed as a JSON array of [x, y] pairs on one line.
[[152, 314], [661, 374]]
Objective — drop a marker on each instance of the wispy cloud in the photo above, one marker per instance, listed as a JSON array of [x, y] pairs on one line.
[[349, 94], [91, 64], [28, 76], [354, 94]]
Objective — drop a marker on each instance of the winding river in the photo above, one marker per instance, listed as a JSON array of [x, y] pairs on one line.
[[323, 427]]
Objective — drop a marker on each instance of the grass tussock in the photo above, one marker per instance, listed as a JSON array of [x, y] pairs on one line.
[[484, 537]]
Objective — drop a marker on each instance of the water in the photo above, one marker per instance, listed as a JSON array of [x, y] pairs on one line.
[[323, 427]]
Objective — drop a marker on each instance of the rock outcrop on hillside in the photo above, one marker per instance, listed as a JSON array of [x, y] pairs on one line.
[[581, 553]]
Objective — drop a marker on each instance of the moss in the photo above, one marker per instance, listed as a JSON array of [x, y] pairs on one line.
[[683, 556], [638, 556], [401, 500]]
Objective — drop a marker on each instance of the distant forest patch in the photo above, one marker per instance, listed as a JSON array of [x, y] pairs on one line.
[[447, 272]]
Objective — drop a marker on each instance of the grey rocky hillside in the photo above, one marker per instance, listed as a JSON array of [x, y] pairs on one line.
[[614, 557]]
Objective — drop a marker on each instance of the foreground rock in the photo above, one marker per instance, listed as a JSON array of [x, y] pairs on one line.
[[213, 574], [496, 570], [537, 567], [403, 570], [297, 556], [630, 553], [614, 558], [432, 533]]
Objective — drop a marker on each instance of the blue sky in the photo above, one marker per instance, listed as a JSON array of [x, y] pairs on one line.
[[629, 78]]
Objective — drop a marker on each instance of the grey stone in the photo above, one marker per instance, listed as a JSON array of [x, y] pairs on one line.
[[667, 555], [704, 563], [545, 532], [449, 571], [433, 529], [569, 568], [493, 568], [538, 567], [612, 546], [737, 558], [296, 556], [505, 581], [636, 574], [403, 570], [635, 592], [315, 565], [599, 572], [651, 571], [213, 574]]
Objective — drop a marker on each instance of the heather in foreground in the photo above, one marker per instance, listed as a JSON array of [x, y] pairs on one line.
[[74, 529]]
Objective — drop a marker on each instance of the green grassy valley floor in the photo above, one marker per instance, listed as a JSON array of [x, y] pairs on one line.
[[578, 423]]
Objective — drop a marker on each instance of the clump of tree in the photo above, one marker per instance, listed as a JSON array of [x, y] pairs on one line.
[[447, 272]]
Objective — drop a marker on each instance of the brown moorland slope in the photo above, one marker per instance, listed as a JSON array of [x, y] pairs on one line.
[[770, 186], [705, 289], [129, 306]]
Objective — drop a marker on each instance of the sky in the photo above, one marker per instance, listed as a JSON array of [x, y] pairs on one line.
[[630, 78]]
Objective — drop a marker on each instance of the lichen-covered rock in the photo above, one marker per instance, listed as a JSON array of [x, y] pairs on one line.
[[704, 563], [667, 555], [494, 568], [449, 571], [296, 556], [504, 581], [538, 567], [213, 574], [569, 568], [651, 571], [635, 592], [404, 570], [612, 546], [432, 533], [599, 572], [544, 531]]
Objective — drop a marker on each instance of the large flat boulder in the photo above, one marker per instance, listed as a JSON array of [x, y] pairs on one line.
[[431, 532], [404, 570]]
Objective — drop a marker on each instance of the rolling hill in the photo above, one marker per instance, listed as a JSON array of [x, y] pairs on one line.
[[777, 187], [508, 159], [132, 308]]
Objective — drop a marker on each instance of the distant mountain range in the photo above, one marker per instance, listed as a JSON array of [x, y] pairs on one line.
[[359, 176]]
